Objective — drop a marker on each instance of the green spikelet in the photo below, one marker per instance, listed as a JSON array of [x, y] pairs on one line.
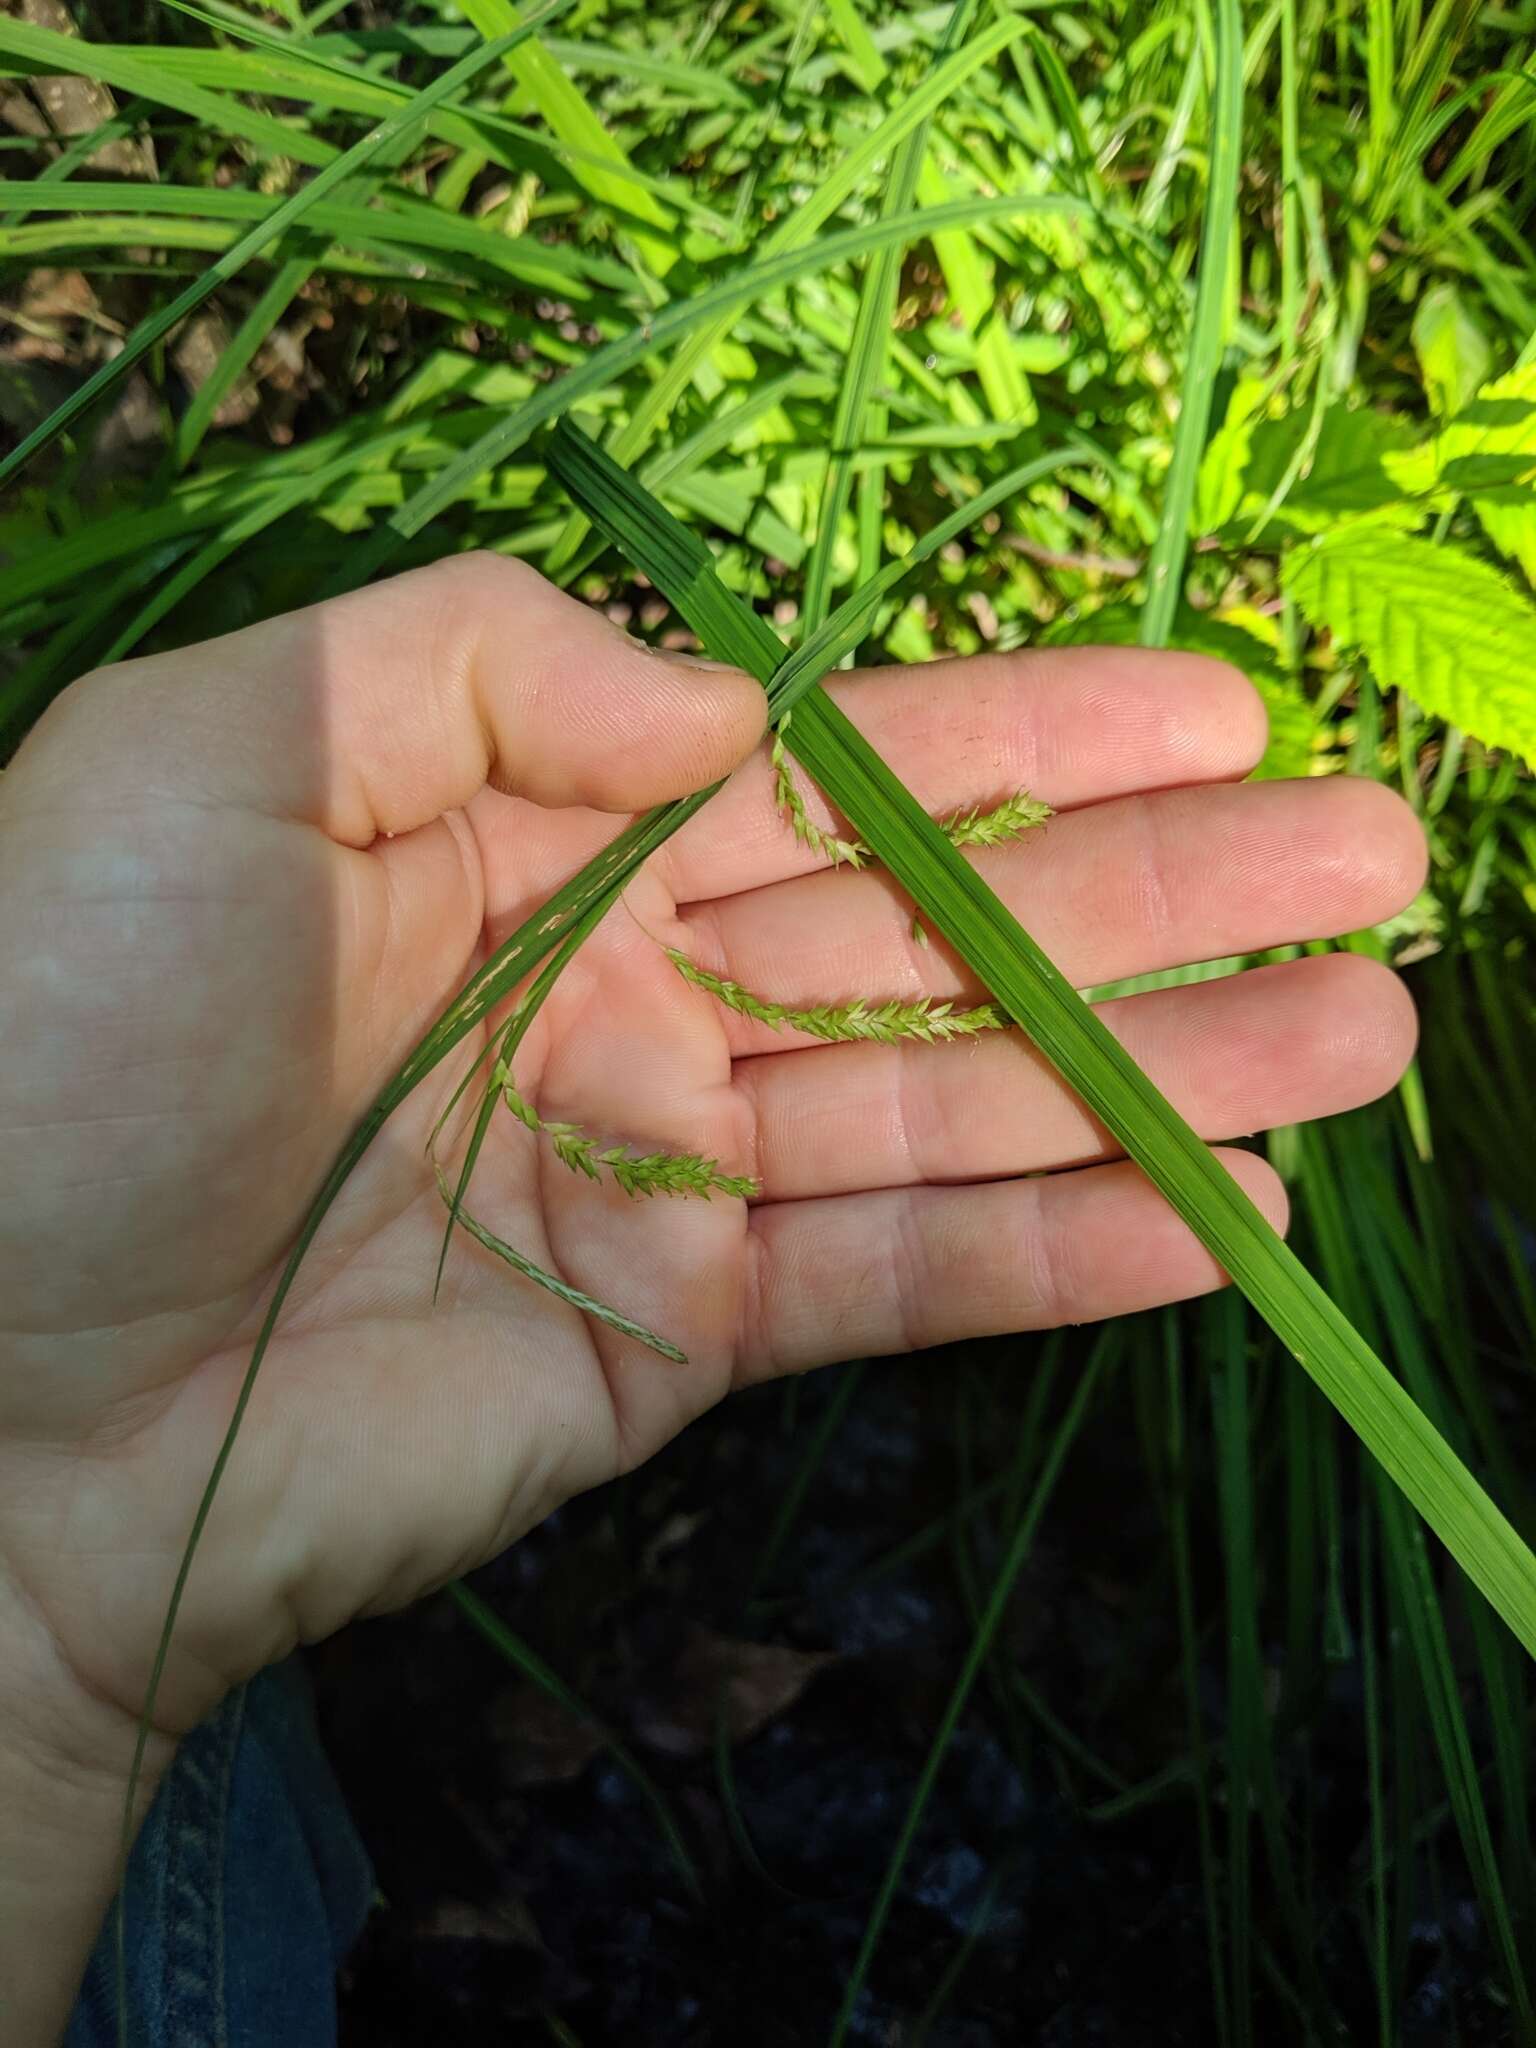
[[1010, 819], [884, 1023], [637, 1173]]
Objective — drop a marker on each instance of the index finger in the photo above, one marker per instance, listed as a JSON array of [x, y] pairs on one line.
[[1070, 725]]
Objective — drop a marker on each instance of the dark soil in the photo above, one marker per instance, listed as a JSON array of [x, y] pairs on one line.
[[530, 1894]]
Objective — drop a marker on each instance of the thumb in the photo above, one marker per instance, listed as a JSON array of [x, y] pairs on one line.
[[378, 711]]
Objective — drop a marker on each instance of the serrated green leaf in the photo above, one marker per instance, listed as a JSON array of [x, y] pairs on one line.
[[1355, 467], [1432, 622], [1488, 452]]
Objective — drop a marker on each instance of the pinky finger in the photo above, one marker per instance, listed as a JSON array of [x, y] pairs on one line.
[[855, 1276]]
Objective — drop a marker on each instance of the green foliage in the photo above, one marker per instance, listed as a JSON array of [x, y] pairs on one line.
[[1300, 471], [1447, 630], [1487, 451], [1165, 565]]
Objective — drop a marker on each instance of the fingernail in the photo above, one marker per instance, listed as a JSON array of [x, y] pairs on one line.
[[699, 661]]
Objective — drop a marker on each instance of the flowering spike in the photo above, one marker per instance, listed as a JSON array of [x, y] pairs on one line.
[[884, 1023], [648, 1173]]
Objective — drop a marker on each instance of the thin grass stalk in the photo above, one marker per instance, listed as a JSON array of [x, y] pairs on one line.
[[1165, 565], [1253, 1785], [730, 1806], [1290, 181], [1377, 1941], [1245, 1713], [1350, 1259], [811, 1459], [601, 882], [954, 1969], [522, 1657], [677, 319], [1189, 1668], [634, 437], [1039, 998]]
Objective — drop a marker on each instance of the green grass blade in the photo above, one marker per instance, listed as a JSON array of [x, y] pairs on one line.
[[387, 135], [524, 1658], [685, 569], [1245, 1703], [807, 1467], [1346, 1210], [1035, 993], [47, 52], [864, 58], [1165, 565], [600, 882], [82, 148], [1377, 1941], [29, 689], [305, 70], [279, 293], [1178, 1459], [571, 118], [1290, 185]]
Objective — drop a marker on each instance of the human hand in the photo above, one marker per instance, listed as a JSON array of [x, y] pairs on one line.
[[242, 878]]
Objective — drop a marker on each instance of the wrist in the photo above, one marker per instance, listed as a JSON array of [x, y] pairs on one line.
[[65, 1759]]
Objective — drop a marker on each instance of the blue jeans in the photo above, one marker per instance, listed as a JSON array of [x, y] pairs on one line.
[[246, 1888]]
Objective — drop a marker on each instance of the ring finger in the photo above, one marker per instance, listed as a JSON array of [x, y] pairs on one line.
[[1277, 1045]]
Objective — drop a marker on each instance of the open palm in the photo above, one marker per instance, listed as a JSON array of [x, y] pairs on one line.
[[243, 878]]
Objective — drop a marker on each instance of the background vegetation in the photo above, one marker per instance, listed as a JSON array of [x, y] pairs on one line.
[[1258, 1760]]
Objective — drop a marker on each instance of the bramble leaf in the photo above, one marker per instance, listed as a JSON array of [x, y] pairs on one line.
[[1435, 623]]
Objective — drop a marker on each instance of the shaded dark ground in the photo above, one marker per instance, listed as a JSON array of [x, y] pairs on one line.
[[525, 1877]]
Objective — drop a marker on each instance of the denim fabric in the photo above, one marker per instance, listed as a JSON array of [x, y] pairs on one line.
[[246, 1888]]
